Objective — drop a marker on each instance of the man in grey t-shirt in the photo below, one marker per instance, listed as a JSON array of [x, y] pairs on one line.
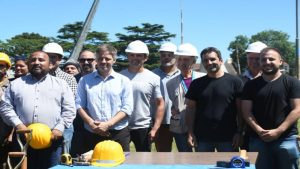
[[146, 87], [166, 71]]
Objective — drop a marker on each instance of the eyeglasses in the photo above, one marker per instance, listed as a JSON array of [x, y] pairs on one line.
[[90, 60]]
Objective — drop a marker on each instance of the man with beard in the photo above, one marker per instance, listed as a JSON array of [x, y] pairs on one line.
[[166, 71], [40, 98], [87, 61], [271, 107], [146, 89], [105, 102], [213, 107], [177, 87]]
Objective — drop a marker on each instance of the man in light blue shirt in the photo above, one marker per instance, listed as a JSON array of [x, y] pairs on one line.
[[105, 102], [40, 98]]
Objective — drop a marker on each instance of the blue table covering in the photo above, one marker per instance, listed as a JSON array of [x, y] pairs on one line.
[[139, 166]]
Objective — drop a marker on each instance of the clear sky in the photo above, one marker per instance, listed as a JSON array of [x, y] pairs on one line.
[[206, 22]]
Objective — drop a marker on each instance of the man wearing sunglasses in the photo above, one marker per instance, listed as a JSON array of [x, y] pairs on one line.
[[87, 61]]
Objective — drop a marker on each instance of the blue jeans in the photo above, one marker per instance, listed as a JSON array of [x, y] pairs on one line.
[[211, 146], [280, 154], [181, 142], [68, 134]]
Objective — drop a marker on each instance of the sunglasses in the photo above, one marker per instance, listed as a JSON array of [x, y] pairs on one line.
[[86, 60]]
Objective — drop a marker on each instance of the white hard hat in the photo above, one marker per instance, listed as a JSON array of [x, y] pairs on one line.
[[168, 47], [256, 47], [137, 46], [186, 49], [53, 47]]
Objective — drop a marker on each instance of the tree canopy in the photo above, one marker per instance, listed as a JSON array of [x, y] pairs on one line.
[[271, 38], [151, 34]]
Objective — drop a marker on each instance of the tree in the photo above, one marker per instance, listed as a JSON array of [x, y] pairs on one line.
[[238, 55], [69, 33], [272, 38], [151, 34], [25, 44]]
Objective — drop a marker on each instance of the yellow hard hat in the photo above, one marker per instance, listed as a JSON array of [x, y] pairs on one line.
[[4, 57], [41, 136], [108, 153]]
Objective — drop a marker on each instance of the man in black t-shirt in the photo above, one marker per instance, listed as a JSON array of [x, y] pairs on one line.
[[213, 107], [271, 107]]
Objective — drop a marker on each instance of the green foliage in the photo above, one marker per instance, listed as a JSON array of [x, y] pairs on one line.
[[238, 47], [272, 38], [151, 34], [26, 43], [69, 34]]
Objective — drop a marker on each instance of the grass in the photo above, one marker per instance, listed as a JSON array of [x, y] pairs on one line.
[[153, 149]]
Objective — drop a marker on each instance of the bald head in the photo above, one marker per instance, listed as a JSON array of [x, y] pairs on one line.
[[39, 64]]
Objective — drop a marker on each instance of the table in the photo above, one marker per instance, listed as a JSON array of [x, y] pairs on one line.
[[173, 160]]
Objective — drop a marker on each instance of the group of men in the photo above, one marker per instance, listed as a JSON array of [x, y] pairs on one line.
[[212, 111]]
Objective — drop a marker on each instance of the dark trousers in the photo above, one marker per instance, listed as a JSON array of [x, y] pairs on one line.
[[121, 136], [45, 158], [164, 139], [140, 139]]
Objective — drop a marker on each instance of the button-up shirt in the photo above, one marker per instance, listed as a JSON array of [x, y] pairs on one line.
[[104, 98], [49, 101]]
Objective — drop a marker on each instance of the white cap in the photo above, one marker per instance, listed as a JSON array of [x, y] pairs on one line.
[[256, 47], [168, 47], [186, 49], [137, 46], [53, 47]]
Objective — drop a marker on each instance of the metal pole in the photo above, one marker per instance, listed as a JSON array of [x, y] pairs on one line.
[[83, 34], [238, 60], [181, 22], [297, 43]]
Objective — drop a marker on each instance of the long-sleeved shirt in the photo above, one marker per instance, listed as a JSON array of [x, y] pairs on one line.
[[104, 98], [49, 101], [71, 81]]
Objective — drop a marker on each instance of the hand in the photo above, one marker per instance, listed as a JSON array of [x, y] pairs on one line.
[[56, 134], [174, 111], [152, 134], [21, 127], [101, 128], [237, 140], [270, 135], [192, 142]]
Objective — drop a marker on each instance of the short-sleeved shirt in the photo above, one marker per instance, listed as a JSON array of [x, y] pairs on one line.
[[146, 87], [271, 101], [164, 78], [216, 111], [104, 98]]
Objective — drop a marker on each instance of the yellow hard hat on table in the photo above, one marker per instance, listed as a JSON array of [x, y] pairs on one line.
[[107, 153]]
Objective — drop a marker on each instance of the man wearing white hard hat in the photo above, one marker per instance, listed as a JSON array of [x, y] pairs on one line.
[[253, 52], [213, 107], [253, 71], [55, 53], [146, 89], [177, 87], [166, 71]]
